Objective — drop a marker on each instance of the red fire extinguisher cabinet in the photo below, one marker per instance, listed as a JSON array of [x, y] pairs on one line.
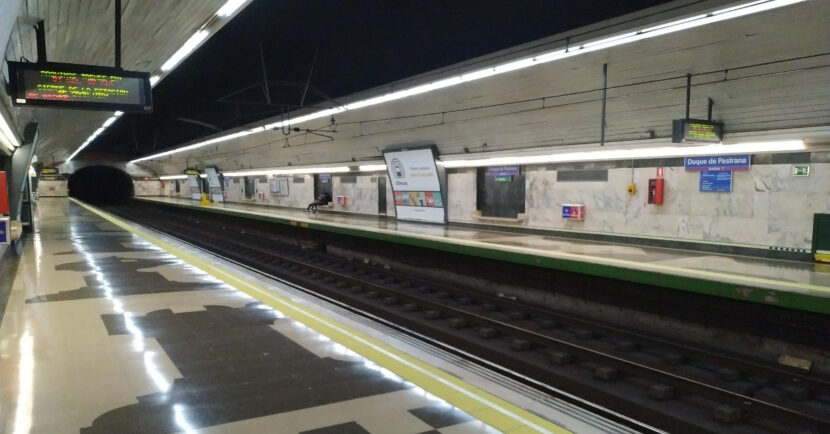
[[655, 191]]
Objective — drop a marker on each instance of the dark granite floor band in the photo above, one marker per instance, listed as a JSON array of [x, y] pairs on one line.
[[234, 367], [124, 277]]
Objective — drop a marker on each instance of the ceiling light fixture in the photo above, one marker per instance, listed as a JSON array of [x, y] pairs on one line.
[[372, 168], [188, 47], [583, 48], [7, 135], [185, 49], [229, 8], [629, 154], [285, 171]]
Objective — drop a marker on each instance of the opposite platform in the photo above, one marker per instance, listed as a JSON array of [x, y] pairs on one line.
[[790, 284]]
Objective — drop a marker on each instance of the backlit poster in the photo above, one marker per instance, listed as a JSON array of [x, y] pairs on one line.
[[214, 186], [194, 183], [415, 184]]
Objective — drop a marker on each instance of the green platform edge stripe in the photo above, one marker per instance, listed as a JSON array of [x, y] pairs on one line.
[[484, 406], [787, 299]]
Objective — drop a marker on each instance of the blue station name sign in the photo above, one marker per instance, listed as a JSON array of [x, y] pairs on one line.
[[717, 163]]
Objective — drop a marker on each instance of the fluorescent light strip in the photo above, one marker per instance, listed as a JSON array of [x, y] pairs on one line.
[[372, 168], [185, 49], [229, 8], [7, 136], [297, 171], [587, 47], [629, 154], [107, 123], [191, 44]]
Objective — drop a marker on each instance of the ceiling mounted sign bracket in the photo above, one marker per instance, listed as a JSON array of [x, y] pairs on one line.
[[118, 34], [40, 35], [688, 94]]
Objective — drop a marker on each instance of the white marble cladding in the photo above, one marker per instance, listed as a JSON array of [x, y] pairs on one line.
[[767, 206], [299, 194], [169, 189], [52, 188], [461, 195], [148, 188], [390, 198], [361, 196]]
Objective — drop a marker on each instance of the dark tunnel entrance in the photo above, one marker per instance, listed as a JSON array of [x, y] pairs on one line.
[[101, 185]]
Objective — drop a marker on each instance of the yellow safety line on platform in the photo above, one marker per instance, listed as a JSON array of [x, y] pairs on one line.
[[485, 407], [766, 283]]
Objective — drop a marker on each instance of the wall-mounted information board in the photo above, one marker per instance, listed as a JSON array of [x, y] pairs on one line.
[[718, 181], [88, 87]]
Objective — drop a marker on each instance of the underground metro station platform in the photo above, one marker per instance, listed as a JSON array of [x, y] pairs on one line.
[[251, 216]]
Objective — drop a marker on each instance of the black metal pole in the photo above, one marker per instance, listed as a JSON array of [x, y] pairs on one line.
[[688, 93], [308, 80], [264, 76], [118, 34], [40, 35], [711, 104], [604, 95]]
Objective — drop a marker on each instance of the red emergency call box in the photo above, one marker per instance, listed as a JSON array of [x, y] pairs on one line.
[[4, 194], [655, 191]]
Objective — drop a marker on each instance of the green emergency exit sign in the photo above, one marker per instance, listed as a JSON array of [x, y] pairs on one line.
[[801, 170]]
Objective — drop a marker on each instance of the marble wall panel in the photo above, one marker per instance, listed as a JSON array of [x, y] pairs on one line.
[[52, 188], [767, 206], [390, 198], [778, 178], [234, 190], [461, 192], [789, 232], [148, 188], [299, 194], [361, 196]]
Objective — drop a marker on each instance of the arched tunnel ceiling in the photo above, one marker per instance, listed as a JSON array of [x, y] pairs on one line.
[[505, 110], [82, 31]]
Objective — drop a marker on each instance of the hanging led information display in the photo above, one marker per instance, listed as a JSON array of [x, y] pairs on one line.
[[65, 85]]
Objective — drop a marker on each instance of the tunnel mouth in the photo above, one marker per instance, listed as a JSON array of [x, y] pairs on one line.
[[101, 185]]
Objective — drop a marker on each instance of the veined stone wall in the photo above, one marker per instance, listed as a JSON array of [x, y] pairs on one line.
[[767, 205], [148, 188], [52, 188], [361, 196]]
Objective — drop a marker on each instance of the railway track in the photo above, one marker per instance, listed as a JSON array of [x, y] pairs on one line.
[[669, 385]]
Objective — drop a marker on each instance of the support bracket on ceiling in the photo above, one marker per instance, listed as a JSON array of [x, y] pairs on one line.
[[118, 34]]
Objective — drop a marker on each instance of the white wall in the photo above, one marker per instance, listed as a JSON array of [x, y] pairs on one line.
[[148, 188], [461, 192], [52, 188], [767, 205], [361, 197]]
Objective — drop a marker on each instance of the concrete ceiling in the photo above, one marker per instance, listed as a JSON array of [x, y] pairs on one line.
[[82, 31]]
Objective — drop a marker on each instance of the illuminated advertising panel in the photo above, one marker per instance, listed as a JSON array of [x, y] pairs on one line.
[[416, 185]]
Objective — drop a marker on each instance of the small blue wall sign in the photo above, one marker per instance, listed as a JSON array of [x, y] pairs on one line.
[[718, 181]]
